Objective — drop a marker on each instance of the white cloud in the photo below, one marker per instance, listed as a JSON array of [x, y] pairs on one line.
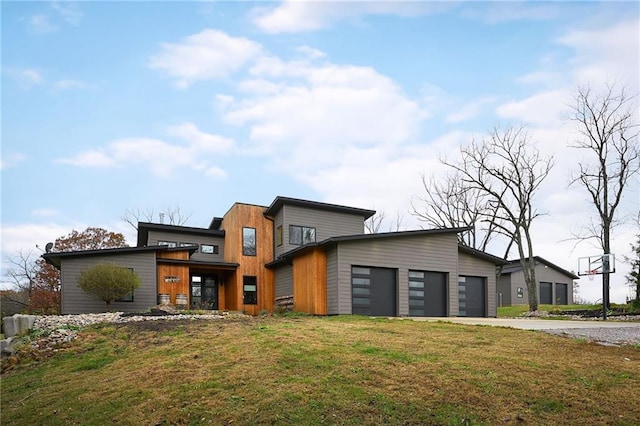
[[11, 160], [69, 84], [160, 156], [499, 12], [311, 53], [470, 110], [208, 54], [296, 16], [69, 12], [606, 53], [44, 212], [545, 108], [41, 24]]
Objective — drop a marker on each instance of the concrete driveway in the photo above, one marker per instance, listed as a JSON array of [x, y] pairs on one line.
[[534, 323]]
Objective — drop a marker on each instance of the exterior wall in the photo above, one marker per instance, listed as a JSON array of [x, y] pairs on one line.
[[284, 281], [181, 272], [472, 266], [246, 215], [543, 274], [310, 282], [327, 223], [332, 281], [437, 253], [76, 301], [155, 236], [504, 290]]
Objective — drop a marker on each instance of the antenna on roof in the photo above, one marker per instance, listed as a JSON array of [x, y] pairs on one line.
[[161, 215], [48, 247]]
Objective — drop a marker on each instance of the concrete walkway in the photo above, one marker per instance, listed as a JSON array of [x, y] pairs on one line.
[[534, 323]]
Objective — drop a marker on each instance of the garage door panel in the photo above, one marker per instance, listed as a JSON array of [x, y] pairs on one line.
[[427, 294], [546, 294], [472, 297], [374, 291], [562, 294]]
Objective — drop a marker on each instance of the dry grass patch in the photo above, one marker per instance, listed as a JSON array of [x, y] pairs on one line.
[[336, 370]]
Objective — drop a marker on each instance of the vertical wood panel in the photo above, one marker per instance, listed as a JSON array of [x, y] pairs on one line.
[[246, 215], [172, 289], [310, 282]]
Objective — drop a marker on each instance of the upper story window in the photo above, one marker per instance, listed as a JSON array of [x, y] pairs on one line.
[[168, 243], [279, 236], [249, 241], [187, 244], [208, 249], [299, 235]]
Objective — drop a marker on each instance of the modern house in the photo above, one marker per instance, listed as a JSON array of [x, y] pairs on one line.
[[555, 285], [311, 256]]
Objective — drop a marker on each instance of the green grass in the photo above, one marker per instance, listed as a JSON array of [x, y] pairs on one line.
[[329, 370], [519, 310]]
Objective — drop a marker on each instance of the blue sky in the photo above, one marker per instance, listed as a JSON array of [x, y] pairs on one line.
[[110, 106]]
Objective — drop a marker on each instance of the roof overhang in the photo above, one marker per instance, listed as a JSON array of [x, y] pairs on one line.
[[145, 227], [280, 201]]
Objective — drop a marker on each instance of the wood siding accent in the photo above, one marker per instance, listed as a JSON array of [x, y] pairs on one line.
[[176, 255], [155, 236], [181, 287], [472, 266], [76, 301], [310, 282], [435, 253], [327, 223], [284, 281], [246, 215]]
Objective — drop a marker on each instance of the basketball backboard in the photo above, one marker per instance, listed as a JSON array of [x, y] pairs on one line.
[[597, 265]]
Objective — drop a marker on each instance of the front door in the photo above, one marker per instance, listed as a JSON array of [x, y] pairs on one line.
[[204, 292]]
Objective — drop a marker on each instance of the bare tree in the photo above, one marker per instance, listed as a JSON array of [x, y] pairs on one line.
[[22, 274], [508, 170], [171, 215], [376, 223], [607, 126], [451, 204]]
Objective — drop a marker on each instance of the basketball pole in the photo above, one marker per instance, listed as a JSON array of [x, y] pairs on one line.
[[605, 295]]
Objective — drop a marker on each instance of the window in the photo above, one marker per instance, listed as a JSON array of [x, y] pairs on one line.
[[250, 290], [249, 241], [520, 292], [299, 235], [167, 243], [187, 244], [209, 249], [279, 236], [361, 290], [128, 297]]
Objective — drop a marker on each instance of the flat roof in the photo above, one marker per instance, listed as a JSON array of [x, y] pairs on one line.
[[281, 201], [145, 227], [54, 258]]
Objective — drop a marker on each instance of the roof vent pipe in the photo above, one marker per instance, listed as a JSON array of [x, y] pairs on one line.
[[161, 215]]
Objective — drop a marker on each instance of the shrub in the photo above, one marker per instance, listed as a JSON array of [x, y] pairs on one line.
[[108, 282]]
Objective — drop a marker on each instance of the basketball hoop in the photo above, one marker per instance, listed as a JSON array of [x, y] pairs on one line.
[[592, 274]]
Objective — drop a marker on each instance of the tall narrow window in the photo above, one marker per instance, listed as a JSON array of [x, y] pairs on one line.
[[249, 290], [279, 236], [249, 241]]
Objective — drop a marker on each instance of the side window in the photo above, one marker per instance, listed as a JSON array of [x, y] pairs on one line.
[[299, 235], [279, 236], [168, 243], [249, 241], [208, 249], [249, 290]]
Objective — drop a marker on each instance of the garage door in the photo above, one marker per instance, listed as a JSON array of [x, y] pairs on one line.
[[546, 294], [373, 291], [562, 294], [472, 297], [427, 294]]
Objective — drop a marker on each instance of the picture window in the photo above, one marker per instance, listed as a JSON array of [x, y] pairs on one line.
[[299, 235], [249, 241]]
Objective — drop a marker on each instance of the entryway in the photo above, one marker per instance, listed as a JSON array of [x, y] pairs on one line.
[[204, 291]]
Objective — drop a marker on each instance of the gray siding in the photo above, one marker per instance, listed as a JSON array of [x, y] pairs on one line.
[[327, 223], [437, 253], [332, 281], [543, 274], [284, 281], [76, 301], [504, 290], [155, 236], [471, 266]]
